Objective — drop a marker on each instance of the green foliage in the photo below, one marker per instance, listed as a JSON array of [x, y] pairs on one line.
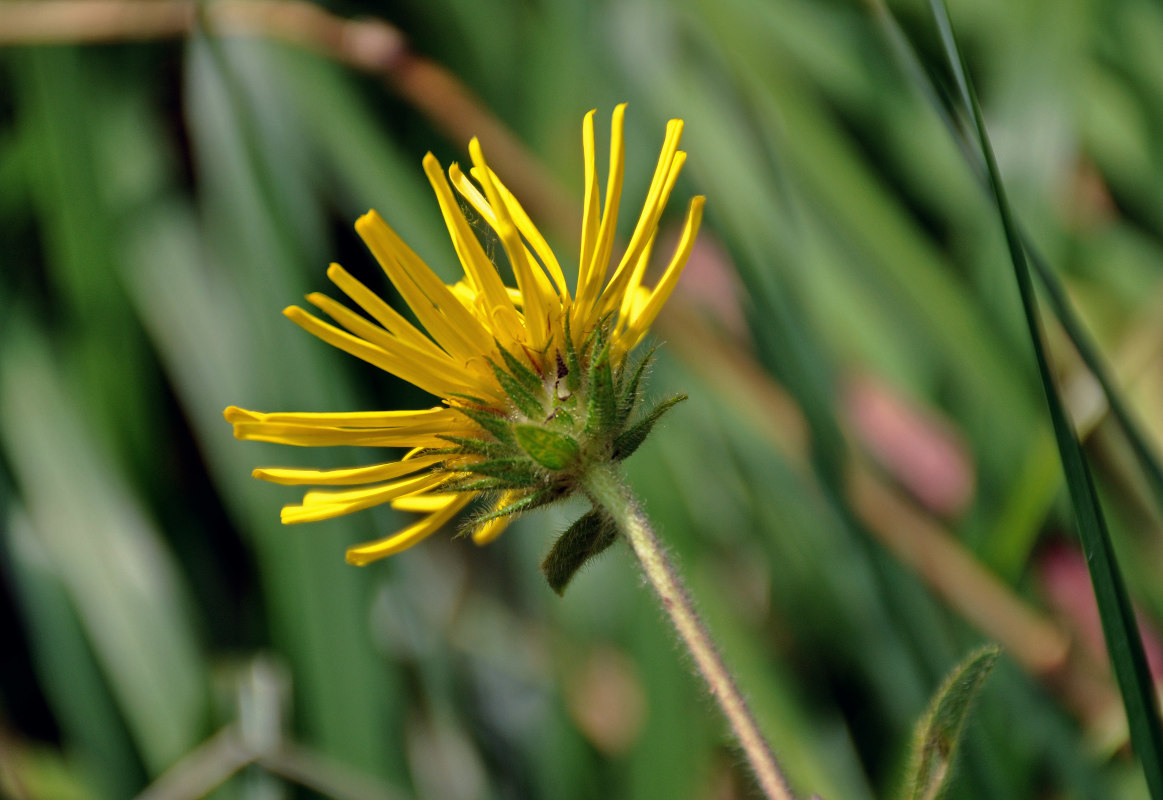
[[1119, 621]]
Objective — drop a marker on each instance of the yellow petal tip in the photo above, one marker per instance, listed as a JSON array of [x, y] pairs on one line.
[[368, 223], [358, 559]]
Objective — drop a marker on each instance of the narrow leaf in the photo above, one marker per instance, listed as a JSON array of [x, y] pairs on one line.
[[939, 731], [1118, 619], [588, 537], [549, 449], [1059, 299]]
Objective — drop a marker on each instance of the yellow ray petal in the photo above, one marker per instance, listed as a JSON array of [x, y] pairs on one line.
[[477, 266], [416, 532], [440, 415], [533, 236], [441, 382], [424, 353], [535, 296], [381, 312], [327, 505], [634, 296], [590, 222], [490, 530], [669, 166], [424, 503], [483, 534], [348, 476], [600, 260], [311, 430], [645, 318], [483, 206], [444, 317]]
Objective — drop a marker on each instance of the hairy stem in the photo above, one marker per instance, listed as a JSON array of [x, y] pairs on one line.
[[606, 489]]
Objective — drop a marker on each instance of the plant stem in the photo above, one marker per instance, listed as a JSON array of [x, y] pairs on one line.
[[606, 489]]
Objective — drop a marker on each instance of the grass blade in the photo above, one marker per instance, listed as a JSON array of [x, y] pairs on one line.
[[1088, 351], [1118, 619]]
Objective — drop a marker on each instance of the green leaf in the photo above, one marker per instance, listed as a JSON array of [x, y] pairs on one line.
[[491, 421], [588, 537], [1119, 625], [939, 731], [633, 437], [525, 401], [1056, 292], [549, 449]]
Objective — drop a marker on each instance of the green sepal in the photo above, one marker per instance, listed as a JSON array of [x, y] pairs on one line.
[[628, 397], [473, 447], [473, 483], [529, 502], [585, 539], [522, 398], [602, 403], [596, 339], [631, 438], [471, 398], [515, 470], [517, 368], [550, 449], [938, 733], [491, 421], [573, 374]]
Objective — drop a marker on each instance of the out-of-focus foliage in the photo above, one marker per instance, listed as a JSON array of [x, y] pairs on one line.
[[160, 203]]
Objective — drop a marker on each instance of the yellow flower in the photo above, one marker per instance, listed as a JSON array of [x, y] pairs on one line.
[[533, 379]]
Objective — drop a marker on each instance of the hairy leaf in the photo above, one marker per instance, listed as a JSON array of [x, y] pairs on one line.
[[588, 537]]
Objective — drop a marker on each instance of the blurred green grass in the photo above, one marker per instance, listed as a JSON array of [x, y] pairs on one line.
[[160, 203]]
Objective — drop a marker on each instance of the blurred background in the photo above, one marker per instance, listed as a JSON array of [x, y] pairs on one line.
[[862, 488]]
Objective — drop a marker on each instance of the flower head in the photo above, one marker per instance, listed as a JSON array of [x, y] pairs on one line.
[[534, 379]]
